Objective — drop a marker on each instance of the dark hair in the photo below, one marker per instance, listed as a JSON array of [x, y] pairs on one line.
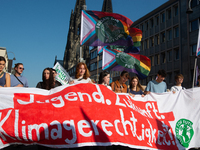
[[139, 86], [2, 59], [125, 73], [54, 70], [87, 73], [16, 65], [102, 75], [178, 76], [48, 84], [162, 73]]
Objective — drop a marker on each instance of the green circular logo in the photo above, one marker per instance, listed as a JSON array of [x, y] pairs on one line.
[[109, 29], [184, 132], [125, 60]]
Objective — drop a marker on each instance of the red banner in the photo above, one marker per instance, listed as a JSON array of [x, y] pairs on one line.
[[84, 115]]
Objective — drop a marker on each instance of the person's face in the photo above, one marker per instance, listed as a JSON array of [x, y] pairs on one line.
[[123, 79], [106, 79], [2, 65], [81, 70], [179, 81], [19, 69], [54, 74], [134, 82], [160, 78], [46, 74]]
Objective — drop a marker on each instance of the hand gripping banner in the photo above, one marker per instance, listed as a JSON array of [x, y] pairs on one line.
[[90, 115]]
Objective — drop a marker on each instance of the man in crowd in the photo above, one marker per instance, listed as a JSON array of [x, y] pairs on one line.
[[158, 85], [17, 80]]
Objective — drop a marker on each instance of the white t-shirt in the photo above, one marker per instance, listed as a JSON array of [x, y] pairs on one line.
[[81, 80], [177, 88]]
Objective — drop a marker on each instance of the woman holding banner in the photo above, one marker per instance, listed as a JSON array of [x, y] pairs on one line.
[[47, 80], [104, 79], [82, 74], [135, 87], [4, 77]]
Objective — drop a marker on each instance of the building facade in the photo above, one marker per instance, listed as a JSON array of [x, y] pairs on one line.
[[170, 40], [3, 52]]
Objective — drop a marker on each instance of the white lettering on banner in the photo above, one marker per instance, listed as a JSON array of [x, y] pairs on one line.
[[94, 125], [68, 128], [84, 124], [71, 94], [56, 133], [104, 124], [1, 124]]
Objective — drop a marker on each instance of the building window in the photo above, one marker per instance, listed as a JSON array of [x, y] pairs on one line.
[[169, 77], [157, 20], [162, 37], [163, 58], [194, 25], [194, 3], [169, 35], [142, 45], [157, 59], [142, 27], [152, 60], [152, 22], [176, 54], [169, 14], [147, 25], [157, 39], [93, 54], [169, 55], [176, 10], [152, 41], [100, 63], [163, 17], [176, 32], [93, 66], [193, 49], [147, 43]]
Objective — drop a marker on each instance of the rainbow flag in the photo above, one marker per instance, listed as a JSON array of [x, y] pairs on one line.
[[103, 28], [116, 60]]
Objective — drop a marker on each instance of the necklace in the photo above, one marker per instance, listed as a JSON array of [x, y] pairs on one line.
[[1, 73]]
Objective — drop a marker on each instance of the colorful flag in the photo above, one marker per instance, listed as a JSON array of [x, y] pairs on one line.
[[103, 28], [198, 44], [116, 60]]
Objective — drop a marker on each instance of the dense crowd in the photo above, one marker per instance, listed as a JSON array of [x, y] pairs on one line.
[[83, 76]]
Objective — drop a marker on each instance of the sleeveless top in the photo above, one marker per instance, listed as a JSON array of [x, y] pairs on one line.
[[3, 80]]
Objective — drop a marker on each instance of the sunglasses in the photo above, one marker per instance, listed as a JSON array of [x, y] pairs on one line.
[[21, 68]]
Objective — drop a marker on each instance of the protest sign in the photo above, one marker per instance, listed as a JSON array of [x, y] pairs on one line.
[[88, 114], [62, 75]]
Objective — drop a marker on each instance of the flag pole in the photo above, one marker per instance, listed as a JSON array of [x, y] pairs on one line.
[[195, 65]]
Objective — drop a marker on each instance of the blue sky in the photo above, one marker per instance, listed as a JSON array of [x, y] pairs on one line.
[[36, 30]]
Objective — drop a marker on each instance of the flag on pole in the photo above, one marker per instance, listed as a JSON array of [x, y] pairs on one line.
[[198, 44], [103, 28]]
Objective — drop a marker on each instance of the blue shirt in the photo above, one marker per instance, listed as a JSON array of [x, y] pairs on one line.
[[154, 86], [136, 93], [15, 82]]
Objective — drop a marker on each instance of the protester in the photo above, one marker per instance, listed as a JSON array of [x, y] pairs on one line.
[[82, 74], [135, 87], [47, 80], [179, 80], [56, 83], [4, 77], [104, 79], [158, 85], [17, 80], [119, 86]]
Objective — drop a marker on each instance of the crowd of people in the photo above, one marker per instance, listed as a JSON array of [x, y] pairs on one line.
[[83, 75]]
